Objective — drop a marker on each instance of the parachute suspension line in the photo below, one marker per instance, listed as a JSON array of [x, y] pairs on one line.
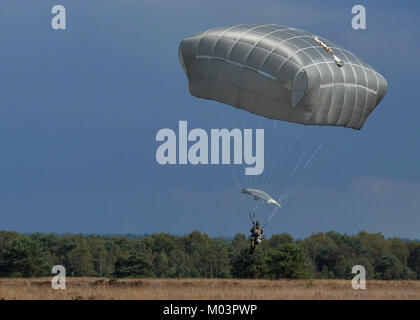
[[275, 170], [291, 146], [304, 181], [274, 211], [305, 171], [291, 186], [276, 159], [313, 155], [231, 169], [267, 163], [294, 170], [233, 173], [206, 120], [243, 124], [246, 179], [270, 163], [308, 164], [271, 216], [326, 156], [256, 176], [301, 170], [277, 164], [292, 176], [209, 126], [240, 123], [286, 187]]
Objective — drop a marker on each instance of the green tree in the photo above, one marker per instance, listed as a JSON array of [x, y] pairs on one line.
[[99, 255], [399, 249], [81, 262], [133, 266], [389, 267], [161, 265], [25, 258], [218, 259], [160, 242], [312, 247], [414, 259], [239, 241], [252, 266], [278, 240], [288, 261]]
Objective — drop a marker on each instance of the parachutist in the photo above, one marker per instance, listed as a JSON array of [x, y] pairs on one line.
[[257, 230], [256, 236]]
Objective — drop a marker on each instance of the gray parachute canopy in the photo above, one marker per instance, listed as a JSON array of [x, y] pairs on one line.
[[282, 73], [261, 195]]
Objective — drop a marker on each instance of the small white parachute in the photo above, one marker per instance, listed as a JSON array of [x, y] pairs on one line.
[[261, 195]]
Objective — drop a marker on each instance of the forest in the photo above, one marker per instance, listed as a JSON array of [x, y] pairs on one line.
[[329, 255]]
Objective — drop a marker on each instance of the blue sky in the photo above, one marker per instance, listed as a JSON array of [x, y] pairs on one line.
[[80, 108]]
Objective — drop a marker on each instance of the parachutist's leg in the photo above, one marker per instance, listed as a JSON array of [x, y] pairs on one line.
[[251, 250]]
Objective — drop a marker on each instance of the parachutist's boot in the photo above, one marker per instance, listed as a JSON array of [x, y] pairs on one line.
[[251, 250]]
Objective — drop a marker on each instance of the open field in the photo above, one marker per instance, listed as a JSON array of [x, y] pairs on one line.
[[207, 289]]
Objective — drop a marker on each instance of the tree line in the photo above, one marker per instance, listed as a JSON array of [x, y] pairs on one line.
[[196, 255]]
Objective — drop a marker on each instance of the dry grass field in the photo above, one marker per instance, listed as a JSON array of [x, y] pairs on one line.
[[206, 289]]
